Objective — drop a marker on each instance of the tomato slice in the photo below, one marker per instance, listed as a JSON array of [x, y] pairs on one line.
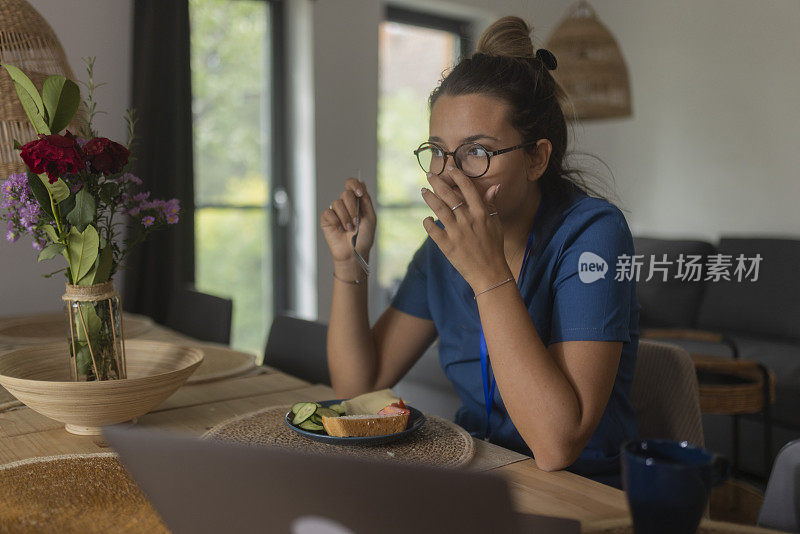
[[400, 404], [392, 409]]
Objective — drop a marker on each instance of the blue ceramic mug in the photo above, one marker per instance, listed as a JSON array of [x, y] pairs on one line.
[[668, 484]]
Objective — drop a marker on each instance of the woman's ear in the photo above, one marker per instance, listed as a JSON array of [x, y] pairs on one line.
[[538, 159]]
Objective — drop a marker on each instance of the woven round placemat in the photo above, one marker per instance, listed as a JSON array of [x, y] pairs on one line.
[[221, 362], [438, 442], [7, 400], [53, 327], [73, 493]]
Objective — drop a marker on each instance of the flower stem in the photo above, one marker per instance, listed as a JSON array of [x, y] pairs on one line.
[[57, 217]]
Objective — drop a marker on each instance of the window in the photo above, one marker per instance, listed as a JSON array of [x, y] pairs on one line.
[[232, 101], [415, 50]]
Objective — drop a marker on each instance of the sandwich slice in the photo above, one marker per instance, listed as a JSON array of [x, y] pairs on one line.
[[364, 425]]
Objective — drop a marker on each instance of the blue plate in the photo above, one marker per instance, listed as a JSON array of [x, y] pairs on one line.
[[415, 421]]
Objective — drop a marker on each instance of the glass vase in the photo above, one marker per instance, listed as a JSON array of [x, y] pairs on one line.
[[94, 322]]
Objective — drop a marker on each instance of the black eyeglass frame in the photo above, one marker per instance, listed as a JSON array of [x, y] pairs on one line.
[[489, 154]]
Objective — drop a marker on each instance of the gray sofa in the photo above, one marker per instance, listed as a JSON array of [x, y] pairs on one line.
[[759, 319]]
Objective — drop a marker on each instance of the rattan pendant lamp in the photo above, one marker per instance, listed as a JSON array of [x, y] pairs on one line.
[[591, 68], [26, 41]]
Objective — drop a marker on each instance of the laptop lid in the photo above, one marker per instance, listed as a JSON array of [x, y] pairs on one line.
[[208, 486]]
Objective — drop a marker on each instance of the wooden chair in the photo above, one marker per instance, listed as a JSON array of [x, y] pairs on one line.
[[201, 316], [728, 386], [298, 347], [664, 393]]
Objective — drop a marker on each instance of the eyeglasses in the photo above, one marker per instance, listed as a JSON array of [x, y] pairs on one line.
[[471, 158]]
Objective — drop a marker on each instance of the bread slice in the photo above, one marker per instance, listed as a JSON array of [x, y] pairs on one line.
[[365, 425]]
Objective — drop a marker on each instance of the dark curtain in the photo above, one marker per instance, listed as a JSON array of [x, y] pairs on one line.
[[162, 98]]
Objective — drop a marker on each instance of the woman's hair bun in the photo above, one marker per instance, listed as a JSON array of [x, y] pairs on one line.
[[508, 36]]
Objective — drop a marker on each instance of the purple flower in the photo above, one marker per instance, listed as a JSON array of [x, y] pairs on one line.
[[128, 177], [148, 221], [11, 236], [38, 245], [172, 219], [76, 186], [141, 197]]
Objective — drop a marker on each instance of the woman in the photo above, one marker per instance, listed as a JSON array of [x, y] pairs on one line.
[[563, 340]]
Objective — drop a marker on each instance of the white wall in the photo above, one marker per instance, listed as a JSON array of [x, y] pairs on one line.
[[711, 148], [99, 28]]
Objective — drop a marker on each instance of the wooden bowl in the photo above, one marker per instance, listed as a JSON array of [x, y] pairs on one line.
[[39, 377]]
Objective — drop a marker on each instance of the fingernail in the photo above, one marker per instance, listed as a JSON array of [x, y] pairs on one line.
[[496, 190], [449, 167], [355, 221], [428, 174], [359, 192], [349, 227], [424, 190]]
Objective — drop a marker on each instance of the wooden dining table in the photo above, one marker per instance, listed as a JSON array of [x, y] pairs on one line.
[[196, 408]]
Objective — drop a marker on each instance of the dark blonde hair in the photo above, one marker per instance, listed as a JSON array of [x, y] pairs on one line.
[[506, 66]]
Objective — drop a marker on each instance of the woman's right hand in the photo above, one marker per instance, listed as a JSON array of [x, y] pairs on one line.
[[337, 223]]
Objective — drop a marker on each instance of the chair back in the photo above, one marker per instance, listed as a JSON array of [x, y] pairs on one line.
[[665, 394], [781, 508], [298, 347], [201, 316]]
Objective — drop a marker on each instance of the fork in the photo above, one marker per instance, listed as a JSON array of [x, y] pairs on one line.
[[361, 260]]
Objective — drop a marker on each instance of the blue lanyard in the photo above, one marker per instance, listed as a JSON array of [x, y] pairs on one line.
[[489, 383]]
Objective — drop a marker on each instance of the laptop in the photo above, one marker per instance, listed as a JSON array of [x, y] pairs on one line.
[[203, 486]]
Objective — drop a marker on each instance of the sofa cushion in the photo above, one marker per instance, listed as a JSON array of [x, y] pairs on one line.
[[769, 306], [674, 302]]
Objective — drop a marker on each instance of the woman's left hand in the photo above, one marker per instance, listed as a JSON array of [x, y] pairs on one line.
[[472, 238]]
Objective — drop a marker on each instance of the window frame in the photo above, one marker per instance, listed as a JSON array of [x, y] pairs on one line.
[[463, 28], [279, 166]]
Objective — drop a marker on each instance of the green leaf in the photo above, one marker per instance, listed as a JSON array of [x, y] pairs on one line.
[[84, 360], [87, 317], [17, 145], [103, 266], [51, 251], [59, 190], [67, 205], [61, 98], [108, 191], [88, 278], [51, 233], [26, 85], [82, 250], [41, 195], [28, 104], [83, 212]]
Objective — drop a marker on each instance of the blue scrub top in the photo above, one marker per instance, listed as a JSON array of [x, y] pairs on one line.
[[568, 300]]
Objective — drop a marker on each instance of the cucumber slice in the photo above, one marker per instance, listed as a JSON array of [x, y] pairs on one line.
[[304, 412], [296, 407], [338, 408], [316, 418], [311, 426], [327, 412]]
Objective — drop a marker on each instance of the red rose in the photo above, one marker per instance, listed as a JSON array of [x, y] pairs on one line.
[[55, 155], [106, 156]]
